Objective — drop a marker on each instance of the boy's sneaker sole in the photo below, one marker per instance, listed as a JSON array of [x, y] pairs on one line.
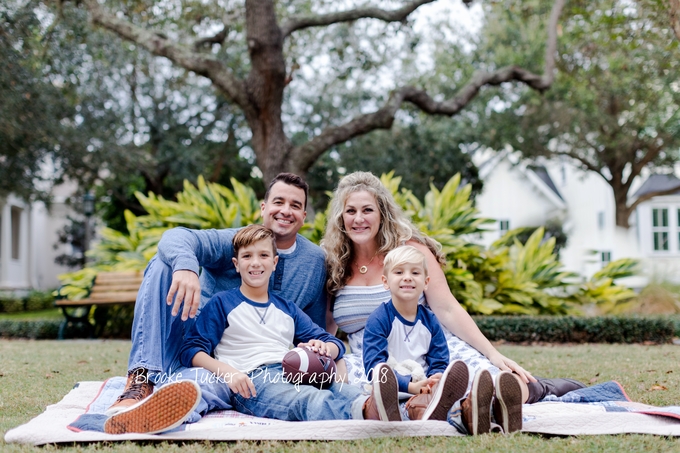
[[450, 389], [386, 393], [477, 406], [167, 408], [507, 407]]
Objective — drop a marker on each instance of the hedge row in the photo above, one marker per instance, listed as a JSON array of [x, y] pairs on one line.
[[41, 329], [572, 329], [35, 300], [516, 329]]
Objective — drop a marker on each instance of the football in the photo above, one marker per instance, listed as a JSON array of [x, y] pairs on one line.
[[304, 366]]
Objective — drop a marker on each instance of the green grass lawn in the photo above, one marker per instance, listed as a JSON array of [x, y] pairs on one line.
[[50, 313], [34, 374]]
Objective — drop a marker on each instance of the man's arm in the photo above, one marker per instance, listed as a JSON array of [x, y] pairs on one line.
[[186, 251]]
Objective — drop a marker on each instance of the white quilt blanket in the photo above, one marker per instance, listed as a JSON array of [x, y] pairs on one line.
[[558, 418]]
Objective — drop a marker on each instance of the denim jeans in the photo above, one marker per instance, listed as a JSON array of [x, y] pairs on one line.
[[157, 336], [285, 401], [215, 393]]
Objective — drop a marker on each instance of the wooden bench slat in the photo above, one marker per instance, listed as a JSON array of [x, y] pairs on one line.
[[75, 303], [114, 288]]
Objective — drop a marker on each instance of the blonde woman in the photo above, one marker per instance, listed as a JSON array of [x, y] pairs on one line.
[[364, 224]]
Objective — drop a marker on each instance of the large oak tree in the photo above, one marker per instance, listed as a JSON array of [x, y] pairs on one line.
[[249, 53]]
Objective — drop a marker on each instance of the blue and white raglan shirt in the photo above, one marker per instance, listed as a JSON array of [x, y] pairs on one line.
[[388, 334], [246, 334], [300, 276]]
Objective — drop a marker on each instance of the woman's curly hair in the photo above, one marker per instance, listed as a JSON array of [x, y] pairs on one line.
[[395, 229]]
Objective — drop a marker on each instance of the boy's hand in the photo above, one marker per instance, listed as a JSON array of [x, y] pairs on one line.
[[424, 386], [240, 383], [317, 346]]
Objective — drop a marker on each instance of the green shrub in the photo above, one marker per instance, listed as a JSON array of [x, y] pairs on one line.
[[11, 304], [39, 300], [573, 329], [38, 329], [509, 277]]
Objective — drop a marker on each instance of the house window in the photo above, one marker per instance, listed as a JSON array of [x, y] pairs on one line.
[[600, 220], [15, 220], [504, 226], [605, 257], [660, 228]]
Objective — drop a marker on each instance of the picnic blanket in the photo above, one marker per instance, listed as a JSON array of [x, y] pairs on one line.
[[600, 409]]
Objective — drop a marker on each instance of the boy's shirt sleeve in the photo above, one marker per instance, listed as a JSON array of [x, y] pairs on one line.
[[206, 332], [186, 249], [375, 345], [306, 329], [437, 357]]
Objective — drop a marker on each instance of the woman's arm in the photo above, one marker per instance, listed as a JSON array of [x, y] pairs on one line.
[[452, 316]]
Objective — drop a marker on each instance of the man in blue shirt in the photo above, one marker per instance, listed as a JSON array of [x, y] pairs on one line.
[[172, 293]]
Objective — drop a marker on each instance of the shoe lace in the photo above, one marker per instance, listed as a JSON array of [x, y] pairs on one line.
[[138, 389]]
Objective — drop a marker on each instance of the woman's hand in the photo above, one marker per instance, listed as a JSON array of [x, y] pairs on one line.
[[506, 364]]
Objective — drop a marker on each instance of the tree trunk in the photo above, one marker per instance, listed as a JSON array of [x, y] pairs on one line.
[[623, 211], [264, 87]]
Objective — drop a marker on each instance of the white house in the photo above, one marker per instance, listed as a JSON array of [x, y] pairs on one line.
[[518, 195], [28, 233]]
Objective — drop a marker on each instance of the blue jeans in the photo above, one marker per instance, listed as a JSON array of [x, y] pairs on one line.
[[286, 401], [157, 336], [215, 393]]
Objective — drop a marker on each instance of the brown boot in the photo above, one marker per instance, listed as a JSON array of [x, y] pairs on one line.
[[507, 406], [435, 405], [476, 408], [136, 389], [383, 404]]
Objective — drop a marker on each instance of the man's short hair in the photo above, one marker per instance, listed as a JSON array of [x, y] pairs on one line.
[[292, 180], [251, 234], [405, 254]]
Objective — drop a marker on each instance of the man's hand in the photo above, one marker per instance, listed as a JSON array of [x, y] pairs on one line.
[[185, 288]]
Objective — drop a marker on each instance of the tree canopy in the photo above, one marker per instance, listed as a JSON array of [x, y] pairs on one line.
[[614, 107], [261, 54]]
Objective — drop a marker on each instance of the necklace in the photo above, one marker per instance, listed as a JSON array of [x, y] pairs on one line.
[[364, 269], [261, 315]]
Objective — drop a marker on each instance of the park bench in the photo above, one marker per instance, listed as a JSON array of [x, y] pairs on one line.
[[110, 288]]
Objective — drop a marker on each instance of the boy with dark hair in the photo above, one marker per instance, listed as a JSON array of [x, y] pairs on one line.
[[243, 334], [172, 292]]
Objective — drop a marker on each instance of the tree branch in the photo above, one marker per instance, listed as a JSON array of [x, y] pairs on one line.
[[397, 15], [583, 161], [218, 38], [204, 65], [306, 154], [674, 13], [650, 195]]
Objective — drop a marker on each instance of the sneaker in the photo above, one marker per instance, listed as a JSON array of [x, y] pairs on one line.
[[507, 406], [136, 389], [435, 405], [167, 408], [476, 409], [383, 404]]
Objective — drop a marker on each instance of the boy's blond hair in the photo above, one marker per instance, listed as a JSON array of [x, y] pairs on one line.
[[405, 254], [251, 234]]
